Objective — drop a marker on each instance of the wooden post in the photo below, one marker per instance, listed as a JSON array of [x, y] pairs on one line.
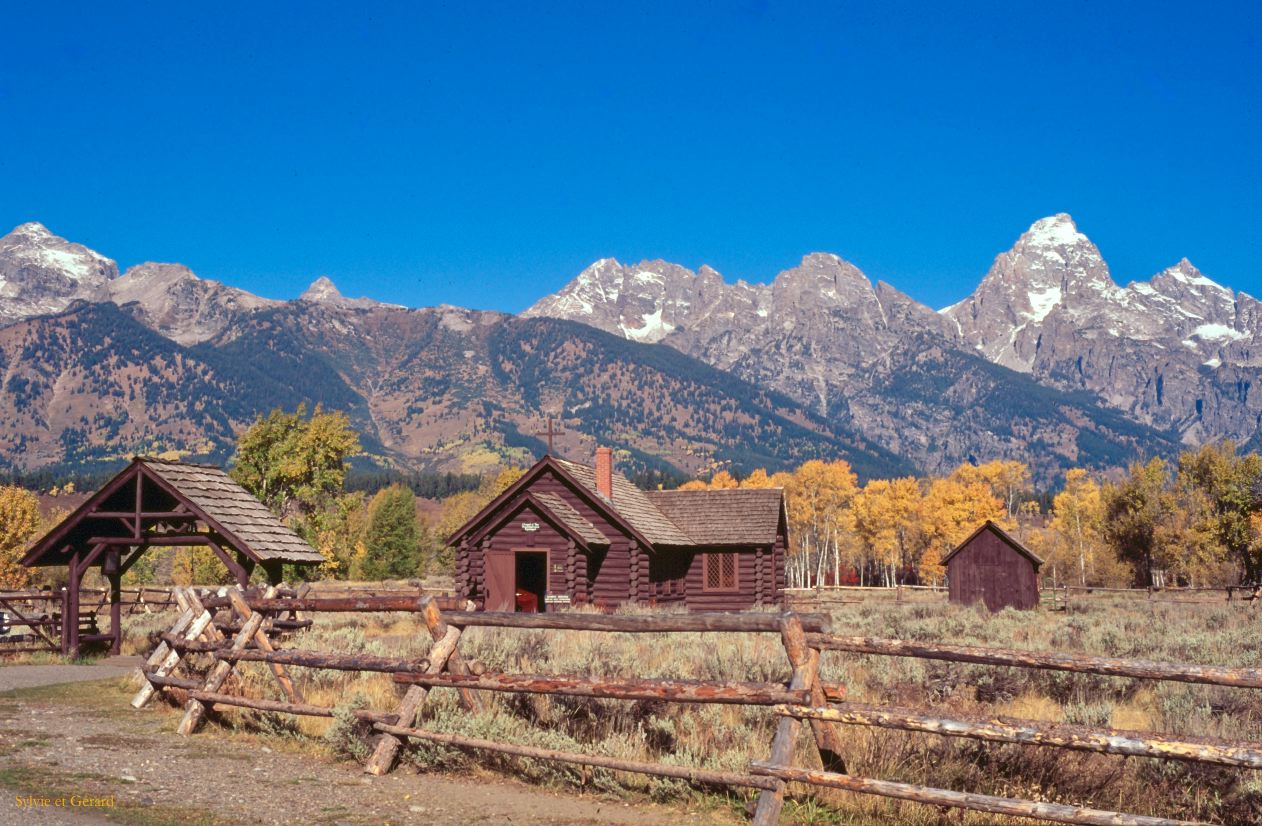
[[827, 737], [261, 640], [160, 652], [194, 710], [199, 621], [446, 637], [805, 662], [116, 608], [71, 617], [273, 569], [65, 627]]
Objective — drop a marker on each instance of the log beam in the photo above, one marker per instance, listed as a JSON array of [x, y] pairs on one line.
[[319, 659], [706, 777], [1029, 732], [300, 709], [260, 639], [1051, 812], [195, 710], [1108, 666], [735, 621], [196, 624], [444, 647], [679, 691], [345, 604]]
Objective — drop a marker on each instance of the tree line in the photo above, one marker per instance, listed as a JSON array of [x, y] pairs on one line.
[[1193, 521]]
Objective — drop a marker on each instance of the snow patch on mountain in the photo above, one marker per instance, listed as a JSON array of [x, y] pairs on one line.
[[1217, 332], [652, 330], [1042, 303]]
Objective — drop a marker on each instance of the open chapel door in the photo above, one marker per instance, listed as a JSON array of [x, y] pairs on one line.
[[501, 581]]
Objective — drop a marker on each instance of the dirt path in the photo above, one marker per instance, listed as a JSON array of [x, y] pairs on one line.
[[13, 677], [84, 739]]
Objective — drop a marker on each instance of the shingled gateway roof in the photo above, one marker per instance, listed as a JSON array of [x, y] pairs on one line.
[[162, 494], [572, 518], [238, 513]]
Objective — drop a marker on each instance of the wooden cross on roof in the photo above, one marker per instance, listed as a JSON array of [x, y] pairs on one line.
[[550, 432]]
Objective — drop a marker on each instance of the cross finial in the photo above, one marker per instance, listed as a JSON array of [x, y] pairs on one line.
[[549, 432]]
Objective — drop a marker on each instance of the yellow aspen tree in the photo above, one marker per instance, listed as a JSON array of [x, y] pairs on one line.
[[19, 522], [952, 510], [887, 518], [820, 496], [758, 479], [1078, 517], [1008, 480]]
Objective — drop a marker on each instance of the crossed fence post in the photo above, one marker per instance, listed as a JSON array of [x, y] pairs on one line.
[[827, 740], [196, 622], [442, 656]]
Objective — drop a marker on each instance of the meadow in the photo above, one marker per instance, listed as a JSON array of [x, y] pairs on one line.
[[728, 737]]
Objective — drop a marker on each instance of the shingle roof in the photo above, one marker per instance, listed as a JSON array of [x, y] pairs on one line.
[[749, 516], [633, 505], [235, 510], [572, 518], [1002, 534]]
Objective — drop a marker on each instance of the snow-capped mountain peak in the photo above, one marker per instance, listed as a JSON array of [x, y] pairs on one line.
[[42, 273], [1057, 230], [1053, 270]]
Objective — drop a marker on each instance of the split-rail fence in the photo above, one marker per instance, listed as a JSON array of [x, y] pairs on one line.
[[232, 627]]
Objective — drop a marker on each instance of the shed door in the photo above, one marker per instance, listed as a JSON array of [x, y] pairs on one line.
[[501, 579]]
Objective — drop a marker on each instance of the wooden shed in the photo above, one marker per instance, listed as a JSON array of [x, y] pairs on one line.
[[572, 534], [992, 567], [155, 503]]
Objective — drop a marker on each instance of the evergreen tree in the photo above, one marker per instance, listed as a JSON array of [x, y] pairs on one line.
[[392, 540]]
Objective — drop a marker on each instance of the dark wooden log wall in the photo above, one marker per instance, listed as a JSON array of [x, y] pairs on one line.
[[602, 577], [744, 598], [609, 577]]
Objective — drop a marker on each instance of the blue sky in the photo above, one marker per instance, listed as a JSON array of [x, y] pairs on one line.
[[483, 154]]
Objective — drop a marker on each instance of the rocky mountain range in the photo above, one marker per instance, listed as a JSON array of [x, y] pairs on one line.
[[159, 360], [1048, 361], [1173, 354], [1178, 351]]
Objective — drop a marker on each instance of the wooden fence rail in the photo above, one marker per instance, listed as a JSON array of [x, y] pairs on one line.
[[1107, 666], [1056, 598], [801, 703]]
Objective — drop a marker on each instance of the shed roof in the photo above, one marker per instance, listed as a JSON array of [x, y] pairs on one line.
[[746, 516], [1002, 534]]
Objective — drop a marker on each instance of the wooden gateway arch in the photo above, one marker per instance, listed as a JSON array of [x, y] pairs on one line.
[[160, 503]]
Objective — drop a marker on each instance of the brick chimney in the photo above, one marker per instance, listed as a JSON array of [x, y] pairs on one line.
[[604, 472]]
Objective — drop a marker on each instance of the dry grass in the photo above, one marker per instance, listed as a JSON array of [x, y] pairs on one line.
[[728, 737]]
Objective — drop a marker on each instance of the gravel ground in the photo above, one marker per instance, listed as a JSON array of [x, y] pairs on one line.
[[85, 739]]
